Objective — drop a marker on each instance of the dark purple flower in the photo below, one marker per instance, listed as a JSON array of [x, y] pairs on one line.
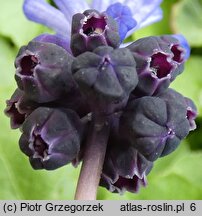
[[155, 125], [191, 110], [141, 12], [159, 60], [106, 75], [51, 137], [124, 169], [91, 30], [18, 107], [43, 71]]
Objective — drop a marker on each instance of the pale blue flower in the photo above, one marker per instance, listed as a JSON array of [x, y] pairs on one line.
[[130, 14]]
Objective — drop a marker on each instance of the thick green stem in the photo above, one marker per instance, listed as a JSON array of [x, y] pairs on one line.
[[93, 159]]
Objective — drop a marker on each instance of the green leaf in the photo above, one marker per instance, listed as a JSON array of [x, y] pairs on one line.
[[189, 83], [187, 20], [15, 25]]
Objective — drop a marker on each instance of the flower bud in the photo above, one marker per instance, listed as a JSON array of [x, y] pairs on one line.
[[43, 71], [106, 75], [155, 125], [92, 29], [51, 137], [159, 60]]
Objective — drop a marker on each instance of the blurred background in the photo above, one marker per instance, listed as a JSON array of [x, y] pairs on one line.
[[178, 176]]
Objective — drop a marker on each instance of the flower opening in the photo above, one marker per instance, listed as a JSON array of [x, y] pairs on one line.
[[94, 25], [13, 112], [178, 53], [28, 63], [159, 65], [40, 147], [131, 184]]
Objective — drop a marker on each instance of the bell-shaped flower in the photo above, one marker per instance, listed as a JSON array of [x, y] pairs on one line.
[[155, 126], [51, 137], [18, 107], [92, 29], [43, 71], [159, 59], [125, 169], [130, 15]]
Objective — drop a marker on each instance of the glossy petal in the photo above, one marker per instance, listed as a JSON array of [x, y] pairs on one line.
[[69, 7], [184, 44], [41, 12]]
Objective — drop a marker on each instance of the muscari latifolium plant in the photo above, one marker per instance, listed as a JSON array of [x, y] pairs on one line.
[[84, 95]]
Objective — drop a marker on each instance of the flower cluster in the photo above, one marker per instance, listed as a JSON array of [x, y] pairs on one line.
[[83, 71]]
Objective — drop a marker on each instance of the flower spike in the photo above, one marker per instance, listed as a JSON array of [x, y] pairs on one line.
[[81, 96]]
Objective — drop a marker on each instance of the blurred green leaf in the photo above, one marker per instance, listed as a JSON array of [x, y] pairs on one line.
[[187, 20], [180, 181], [15, 25], [189, 83], [173, 177], [7, 56]]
